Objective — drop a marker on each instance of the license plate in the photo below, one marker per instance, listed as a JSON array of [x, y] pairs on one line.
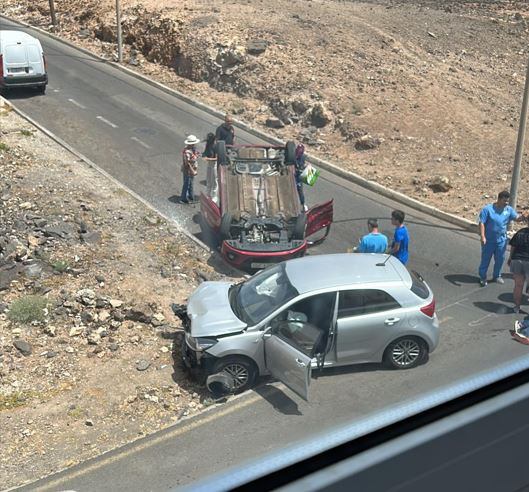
[[259, 265], [17, 70]]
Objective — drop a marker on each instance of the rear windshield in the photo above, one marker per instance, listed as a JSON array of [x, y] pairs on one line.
[[418, 286], [15, 53]]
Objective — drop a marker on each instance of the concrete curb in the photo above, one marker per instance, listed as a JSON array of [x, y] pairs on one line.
[[133, 194], [323, 164]]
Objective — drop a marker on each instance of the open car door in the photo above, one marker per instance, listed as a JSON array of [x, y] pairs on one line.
[[289, 349], [319, 217], [210, 211]]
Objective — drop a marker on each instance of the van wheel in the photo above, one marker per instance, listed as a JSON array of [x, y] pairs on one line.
[[242, 371], [406, 352]]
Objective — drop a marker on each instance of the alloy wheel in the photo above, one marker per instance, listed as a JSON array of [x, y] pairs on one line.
[[239, 373], [406, 352]]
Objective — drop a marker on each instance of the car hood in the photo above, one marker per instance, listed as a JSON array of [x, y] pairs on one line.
[[210, 311]]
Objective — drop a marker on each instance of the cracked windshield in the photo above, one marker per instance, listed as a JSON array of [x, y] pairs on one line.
[[232, 218]]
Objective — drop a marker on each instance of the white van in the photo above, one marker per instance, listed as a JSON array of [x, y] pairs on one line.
[[22, 62]]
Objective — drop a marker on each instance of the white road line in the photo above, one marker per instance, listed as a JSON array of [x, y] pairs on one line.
[[143, 144], [104, 120], [75, 103]]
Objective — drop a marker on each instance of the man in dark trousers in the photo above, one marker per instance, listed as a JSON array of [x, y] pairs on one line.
[[519, 263], [226, 131]]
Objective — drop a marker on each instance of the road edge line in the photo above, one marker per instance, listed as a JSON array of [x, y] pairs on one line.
[[324, 164]]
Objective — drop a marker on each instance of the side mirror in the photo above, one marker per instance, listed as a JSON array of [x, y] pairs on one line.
[[267, 332]]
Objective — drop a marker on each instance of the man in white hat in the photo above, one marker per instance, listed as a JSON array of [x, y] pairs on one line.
[[190, 157]]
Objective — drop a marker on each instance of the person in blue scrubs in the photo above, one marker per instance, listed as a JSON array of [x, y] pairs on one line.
[[493, 222], [374, 242]]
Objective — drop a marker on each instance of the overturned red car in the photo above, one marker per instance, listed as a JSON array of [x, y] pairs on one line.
[[257, 217]]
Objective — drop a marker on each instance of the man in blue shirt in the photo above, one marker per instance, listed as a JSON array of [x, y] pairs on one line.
[[493, 222], [374, 242], [401, 238]]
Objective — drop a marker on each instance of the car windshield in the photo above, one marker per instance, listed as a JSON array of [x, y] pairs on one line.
[[253, 300]]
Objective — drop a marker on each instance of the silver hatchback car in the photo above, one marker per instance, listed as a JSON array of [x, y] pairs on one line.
[[312, 312]]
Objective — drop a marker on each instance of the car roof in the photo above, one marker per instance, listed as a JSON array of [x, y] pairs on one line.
[[14, 36], [317, 272]]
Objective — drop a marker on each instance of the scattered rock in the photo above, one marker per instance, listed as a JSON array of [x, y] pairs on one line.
[[87, 297], [256, 47], [23, 347], [440, 184], [367, 142], [319, 116], [274, 123], [90, 237], [142, 365]]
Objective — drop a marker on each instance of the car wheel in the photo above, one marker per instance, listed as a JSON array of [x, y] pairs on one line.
[[299, 227], [41, 89], [406, 352], [290, 152], [241, 370], [225, 226], [222, 156]]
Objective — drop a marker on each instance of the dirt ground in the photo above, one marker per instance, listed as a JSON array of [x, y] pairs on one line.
[[88, 343], [420, 96]]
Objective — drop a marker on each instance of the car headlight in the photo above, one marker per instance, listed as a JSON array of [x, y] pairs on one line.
[[199, 344]]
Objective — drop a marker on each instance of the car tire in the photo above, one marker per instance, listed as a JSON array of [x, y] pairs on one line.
[[225, 226], [290, 152], [406, 352], [299, 227], [222, 156], [41, 89], [243, 370]]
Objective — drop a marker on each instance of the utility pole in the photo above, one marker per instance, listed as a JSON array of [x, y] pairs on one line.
[[52, 13], [120, 41], [515, 180]]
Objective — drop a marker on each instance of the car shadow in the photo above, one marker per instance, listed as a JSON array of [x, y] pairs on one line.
[[352, 369], [15, 94], [278, 399], [458, 279]]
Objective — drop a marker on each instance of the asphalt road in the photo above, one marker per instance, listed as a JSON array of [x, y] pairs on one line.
[[136, 132]]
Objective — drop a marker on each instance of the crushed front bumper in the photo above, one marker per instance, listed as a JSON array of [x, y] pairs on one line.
[[257, 256]]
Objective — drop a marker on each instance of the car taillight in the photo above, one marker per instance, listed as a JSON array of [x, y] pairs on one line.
[[429, 309], [1, 66]]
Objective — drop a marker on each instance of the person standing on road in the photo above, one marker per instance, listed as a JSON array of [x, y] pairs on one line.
[[299, 167], [374, 242], [493, 222], [210, 156], [519, 264], [226, 131], [401, 238], [190, 157]]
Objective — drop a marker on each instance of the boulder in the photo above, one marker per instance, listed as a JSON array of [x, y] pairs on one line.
[[440, 184], [256, 46], [367, 142], [23, 347], [274, 123], [319, 116]]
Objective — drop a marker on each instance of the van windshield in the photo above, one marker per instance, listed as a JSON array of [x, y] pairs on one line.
[[262, 294]]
